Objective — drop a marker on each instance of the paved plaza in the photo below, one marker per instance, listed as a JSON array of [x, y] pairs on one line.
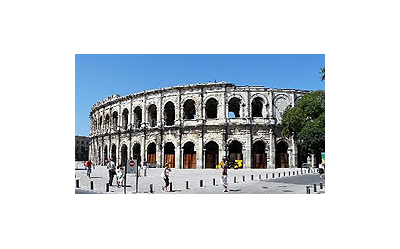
[[265, 181]]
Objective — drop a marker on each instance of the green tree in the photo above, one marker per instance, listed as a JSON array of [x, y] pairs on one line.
[[306, 122]]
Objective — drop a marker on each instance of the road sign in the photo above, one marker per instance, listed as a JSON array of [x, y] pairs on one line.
[[132, 167]]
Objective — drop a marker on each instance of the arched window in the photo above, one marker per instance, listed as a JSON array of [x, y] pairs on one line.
[[169, 113], [136, 152], [211, 108], [107, 120], [151, 153], [115, 119], [100, 122], [125, 118], [235, 151], [138, 116], [257, 107], [152, 115], [189, 109], [234, 108]]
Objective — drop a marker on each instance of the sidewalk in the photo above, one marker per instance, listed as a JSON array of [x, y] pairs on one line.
[[178, 177]]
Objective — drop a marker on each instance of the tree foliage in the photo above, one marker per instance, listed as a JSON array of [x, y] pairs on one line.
[[306, 122]]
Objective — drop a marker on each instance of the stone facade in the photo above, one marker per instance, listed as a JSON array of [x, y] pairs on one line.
[[81, 148], [195, 126]]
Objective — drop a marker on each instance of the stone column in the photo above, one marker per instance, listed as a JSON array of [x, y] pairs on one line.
[[143, 149], [313, 160], [247, 163], [272, 150], [162, 158], [289, 151], [182, 159], [177, 156], [199, 154]]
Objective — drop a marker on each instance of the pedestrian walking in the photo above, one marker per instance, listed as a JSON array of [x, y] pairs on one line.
[[144, 168], [88, 168], [120, 176], [321, 170], [165, 175], [224, 174], [111, 171]]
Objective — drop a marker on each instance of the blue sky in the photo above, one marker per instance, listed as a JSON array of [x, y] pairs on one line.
[[99, 76]]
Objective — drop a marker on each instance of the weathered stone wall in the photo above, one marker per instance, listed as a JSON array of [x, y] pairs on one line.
[[222, 130]]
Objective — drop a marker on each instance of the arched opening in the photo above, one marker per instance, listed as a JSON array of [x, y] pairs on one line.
[[114, 153], [151, 153], [259, 156], [169, 113], [189, 109], [257, 107], [211, 155], [169, 154], [282, 157], [105, 153], [124, 154], [115, 119], [189, 156], [125, 118], [235, 151], [107, 120], [100, 122], [152, 115], [211, 108], [234, 108], [136, 152], [138, 116]]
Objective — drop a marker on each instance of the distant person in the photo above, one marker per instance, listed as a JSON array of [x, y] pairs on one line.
[[144, 168], [89, 168], [111, 171], [120, 176], [165, 175], [321, 170]]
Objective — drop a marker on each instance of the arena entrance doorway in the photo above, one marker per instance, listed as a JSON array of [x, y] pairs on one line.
[[151, 153], [169, 154], [282, 157], [235, 151], [136, 153], [211, 155], [259, 156], [189, 156]]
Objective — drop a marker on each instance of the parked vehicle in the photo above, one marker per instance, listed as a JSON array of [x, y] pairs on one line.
[[306, 165]]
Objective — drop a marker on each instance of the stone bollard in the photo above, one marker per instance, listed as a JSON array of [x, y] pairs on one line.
[[234, 179], [289, 173], [151, 188], [308, 190], [320, 185], [279, 174], [107, 187], [252, 178], [201, 183], [187, 184], [244, 178], [77, 183], [170, 187], [283, 174], [91, 185], [266, 176], [273, 175], [315, 187], [259, 177], [213, 181]]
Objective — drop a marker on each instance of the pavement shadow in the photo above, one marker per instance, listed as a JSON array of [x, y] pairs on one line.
[[234, 190]]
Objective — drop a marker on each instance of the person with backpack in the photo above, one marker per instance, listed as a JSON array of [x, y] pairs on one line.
[[89, 168], [165, 175]]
